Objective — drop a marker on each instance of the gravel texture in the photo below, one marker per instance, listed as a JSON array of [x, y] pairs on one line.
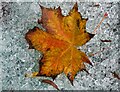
[[16, 59]]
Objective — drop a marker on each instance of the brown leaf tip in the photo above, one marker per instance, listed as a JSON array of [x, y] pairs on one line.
[[86, 71], [70, 78], [53, 77], [91, 35], [59, 9], [75, 7], [41, 6]]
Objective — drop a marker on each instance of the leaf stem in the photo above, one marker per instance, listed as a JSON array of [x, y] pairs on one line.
[[105, 15]]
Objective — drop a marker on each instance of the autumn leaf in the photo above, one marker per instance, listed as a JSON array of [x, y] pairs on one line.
[[59, 42]]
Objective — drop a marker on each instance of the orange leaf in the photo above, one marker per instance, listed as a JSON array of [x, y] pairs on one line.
[[59, 42]]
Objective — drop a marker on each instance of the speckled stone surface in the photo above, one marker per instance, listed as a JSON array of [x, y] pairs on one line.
[[16, 59]]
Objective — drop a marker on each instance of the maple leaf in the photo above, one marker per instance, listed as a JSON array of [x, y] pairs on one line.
[[59, 42]]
